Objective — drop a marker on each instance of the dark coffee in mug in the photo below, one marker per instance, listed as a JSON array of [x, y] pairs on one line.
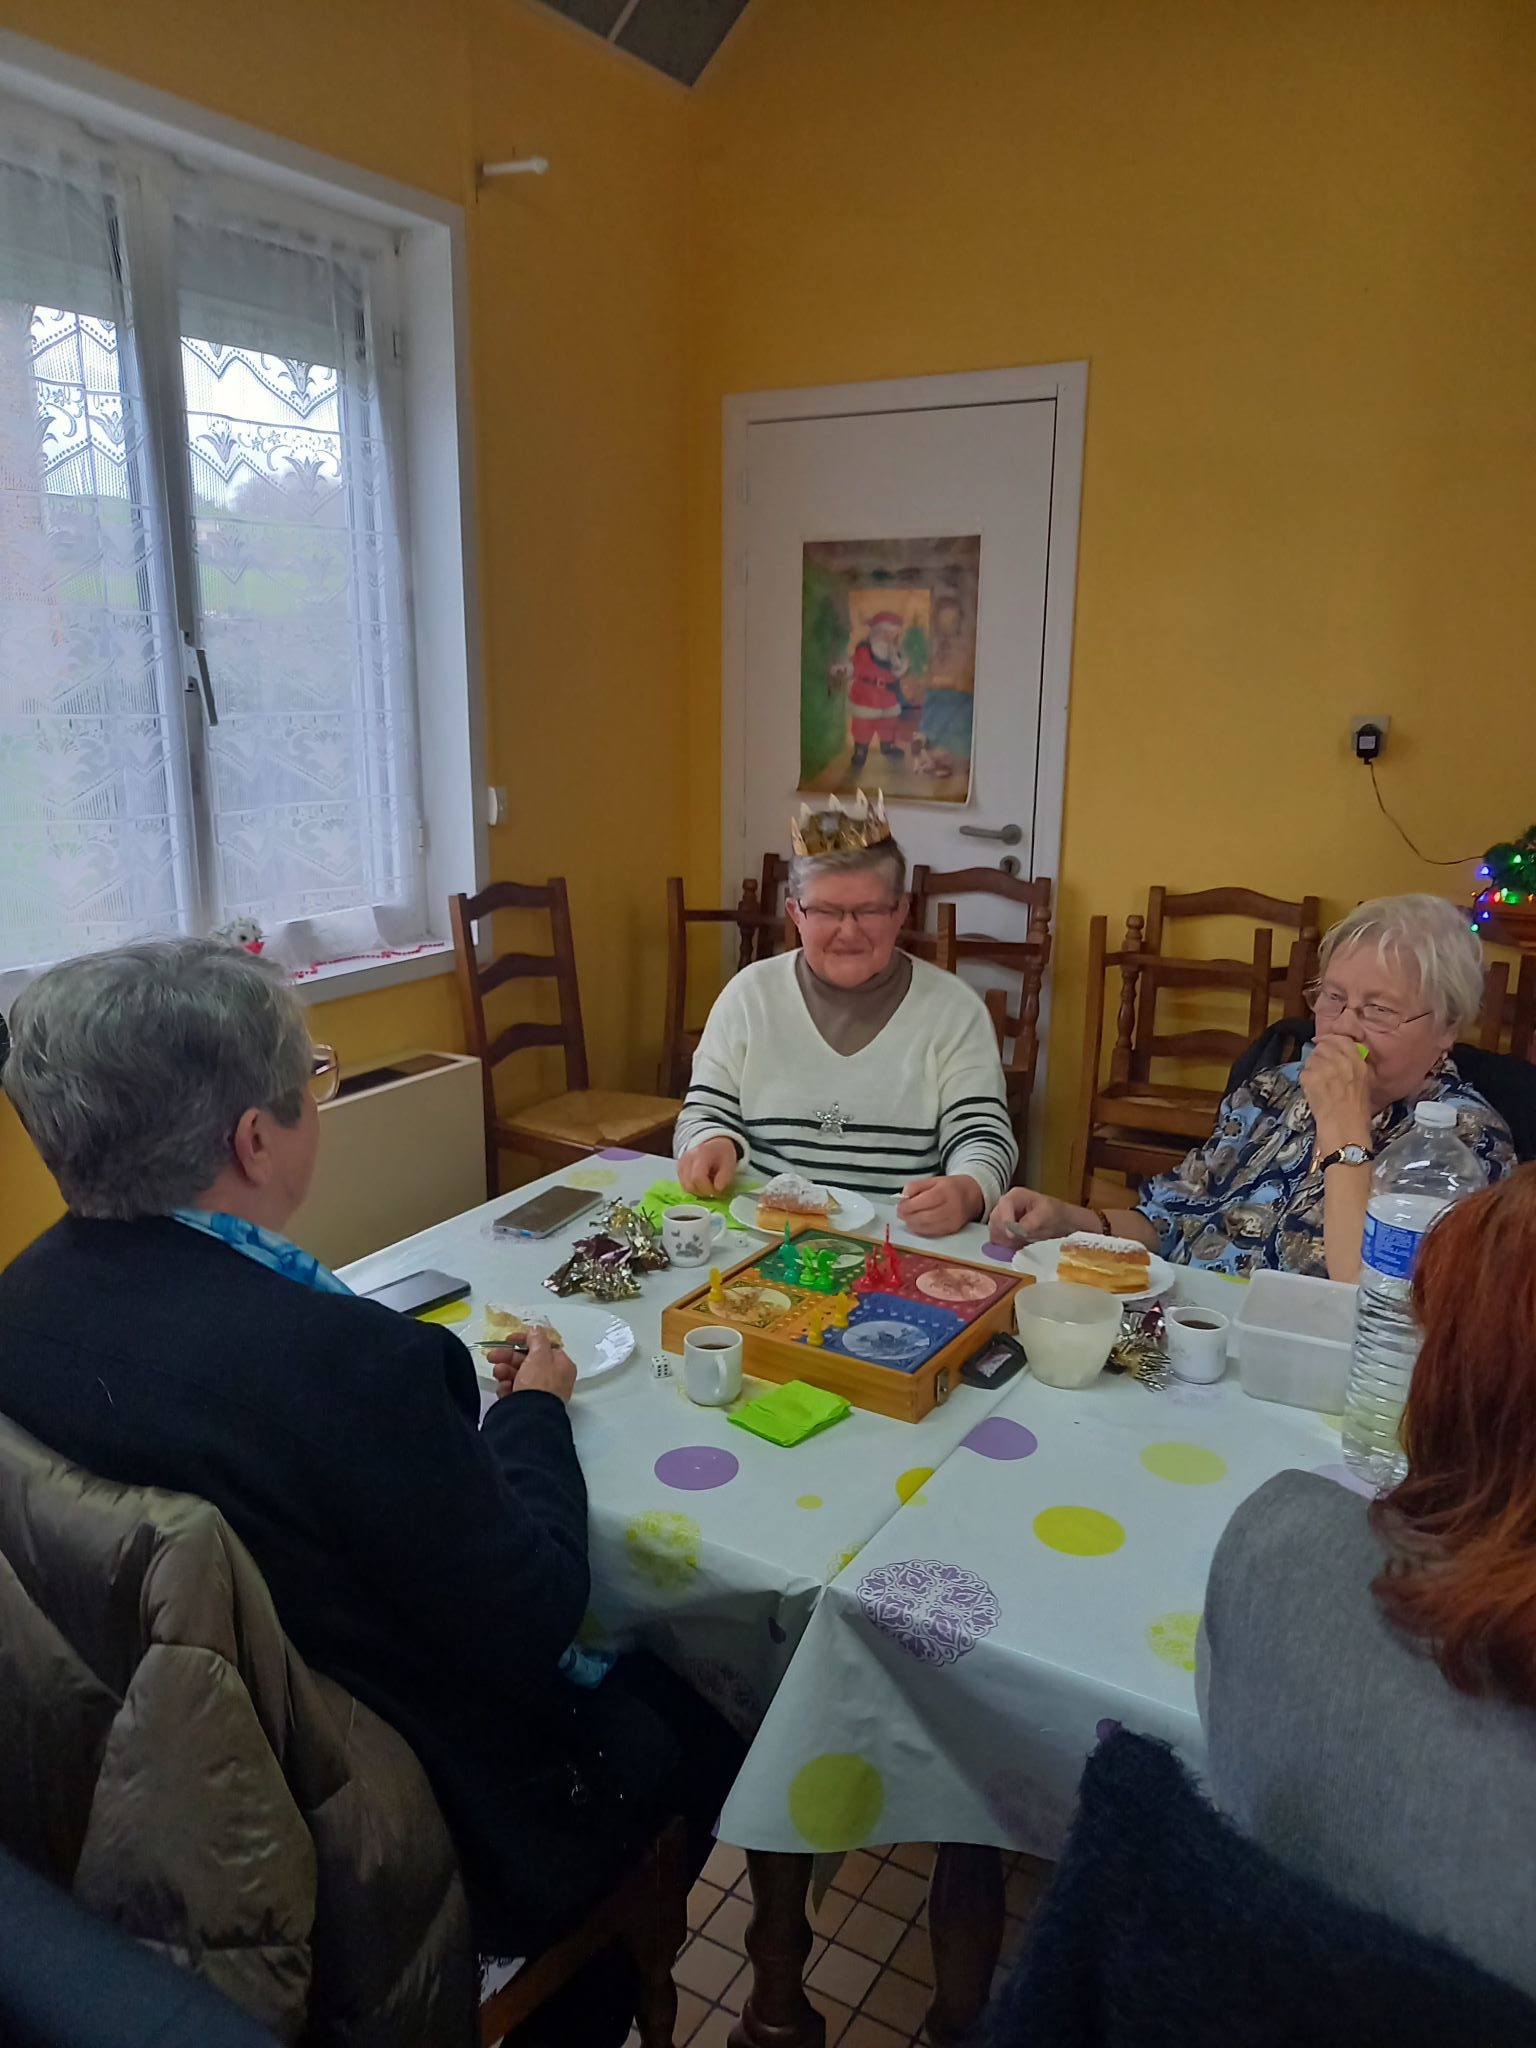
[[1190, 1322]]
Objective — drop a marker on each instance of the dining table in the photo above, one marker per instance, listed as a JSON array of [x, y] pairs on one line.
[[921, 1629]]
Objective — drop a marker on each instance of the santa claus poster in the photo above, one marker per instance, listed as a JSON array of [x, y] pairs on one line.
[[888, 666]]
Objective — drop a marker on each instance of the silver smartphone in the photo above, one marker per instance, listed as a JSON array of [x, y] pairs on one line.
[[546, 1213]]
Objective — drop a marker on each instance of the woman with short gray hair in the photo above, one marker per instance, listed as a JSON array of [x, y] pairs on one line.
[[141, 1073], [1285, 1177], [431, 1560]]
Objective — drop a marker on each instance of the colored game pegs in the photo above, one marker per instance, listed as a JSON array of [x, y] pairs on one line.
[[841, 1309], [813, 1334], [789, 1238], [716, 1286], [869, 1279]]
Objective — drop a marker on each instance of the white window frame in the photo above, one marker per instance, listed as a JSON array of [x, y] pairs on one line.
[[439, 455]]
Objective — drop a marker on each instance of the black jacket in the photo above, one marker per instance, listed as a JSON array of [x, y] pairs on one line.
[[435, 1569]]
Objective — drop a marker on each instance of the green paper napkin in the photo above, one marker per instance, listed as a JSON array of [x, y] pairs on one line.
[[791, 1413], [670, 1194]]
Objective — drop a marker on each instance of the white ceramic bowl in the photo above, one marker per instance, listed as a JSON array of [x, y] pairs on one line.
[[1067, 1331]]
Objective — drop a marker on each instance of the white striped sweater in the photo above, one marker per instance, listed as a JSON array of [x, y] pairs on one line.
[[924, 1097]]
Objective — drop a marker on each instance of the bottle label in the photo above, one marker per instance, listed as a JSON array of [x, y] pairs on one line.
[[1389, 1248]]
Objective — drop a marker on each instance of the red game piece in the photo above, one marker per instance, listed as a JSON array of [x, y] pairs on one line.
[[869, 1279], [892, 1263]]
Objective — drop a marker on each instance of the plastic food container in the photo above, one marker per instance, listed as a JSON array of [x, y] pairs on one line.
[[1066, 1331], [1293, 1339]]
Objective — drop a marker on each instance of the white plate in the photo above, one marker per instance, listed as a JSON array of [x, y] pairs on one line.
[[852, 1212], [1040, 1259], [596, 1342]]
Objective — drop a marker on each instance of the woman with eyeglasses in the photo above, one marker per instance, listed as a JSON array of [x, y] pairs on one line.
[[432, 1561], [1284, 1178], [847, 1061]]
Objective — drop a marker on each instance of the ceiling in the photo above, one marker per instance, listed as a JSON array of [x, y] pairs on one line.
[[675, 36]]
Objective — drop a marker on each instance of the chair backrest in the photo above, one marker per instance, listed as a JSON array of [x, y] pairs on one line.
[[1213, 1941], [1260, 978], [558, 965], [1507, 1022], [760, 934]]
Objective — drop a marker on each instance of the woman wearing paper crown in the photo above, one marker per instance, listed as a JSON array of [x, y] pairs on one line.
[[848, 1061]]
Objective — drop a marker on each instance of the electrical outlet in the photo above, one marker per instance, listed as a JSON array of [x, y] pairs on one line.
[[1363, 751]]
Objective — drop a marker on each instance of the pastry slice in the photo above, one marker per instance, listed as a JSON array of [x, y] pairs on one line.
[[505, 1326], [1118, 1265], [791, 1199]]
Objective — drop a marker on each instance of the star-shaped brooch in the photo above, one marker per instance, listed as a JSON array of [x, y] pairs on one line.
[[832, 1123]]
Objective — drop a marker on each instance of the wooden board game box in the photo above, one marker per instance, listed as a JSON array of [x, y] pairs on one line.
[[886, 1326]]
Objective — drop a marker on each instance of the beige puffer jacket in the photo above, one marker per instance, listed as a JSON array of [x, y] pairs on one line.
[[166, 1756]]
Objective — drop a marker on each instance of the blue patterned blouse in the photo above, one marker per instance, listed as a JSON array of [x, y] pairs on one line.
[[1250, 1198]]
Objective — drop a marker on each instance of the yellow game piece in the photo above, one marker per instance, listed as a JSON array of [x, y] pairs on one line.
[[716, 1285], [841, 1308], [813, 1334]]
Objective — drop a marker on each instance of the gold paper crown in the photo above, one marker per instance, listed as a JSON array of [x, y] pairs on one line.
[[838, 831]]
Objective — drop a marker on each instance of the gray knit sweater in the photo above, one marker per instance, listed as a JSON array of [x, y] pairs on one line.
[[1337, 1744]]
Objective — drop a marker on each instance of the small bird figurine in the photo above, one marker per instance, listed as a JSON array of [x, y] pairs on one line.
[[813, 1335]]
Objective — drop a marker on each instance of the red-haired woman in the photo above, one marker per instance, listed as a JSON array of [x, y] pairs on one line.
[[1368, 1671]]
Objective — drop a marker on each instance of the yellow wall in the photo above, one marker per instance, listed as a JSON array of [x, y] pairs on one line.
[[1294, 243], [579, 298]]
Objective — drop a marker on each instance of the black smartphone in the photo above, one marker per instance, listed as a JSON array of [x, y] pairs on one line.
[[995, 1363], [546, 1213], [418, 1292]]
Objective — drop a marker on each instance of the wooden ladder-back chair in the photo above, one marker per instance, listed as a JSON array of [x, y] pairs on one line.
[[648, 1913], [584, 1119], [760, 934], [1138, 1123], [1289, 981], [1508, 1021], [1017, 1028]]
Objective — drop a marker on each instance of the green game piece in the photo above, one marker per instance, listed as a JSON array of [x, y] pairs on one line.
[[806, 1271], [789, 1238]]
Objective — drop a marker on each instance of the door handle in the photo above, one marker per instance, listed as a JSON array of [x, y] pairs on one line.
[[1007, 835]]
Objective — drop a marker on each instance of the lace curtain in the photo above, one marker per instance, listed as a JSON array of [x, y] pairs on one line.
[[94, 828], [121, 814], [301, 592]]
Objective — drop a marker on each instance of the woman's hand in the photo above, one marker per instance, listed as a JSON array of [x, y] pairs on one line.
[[939, 1206], [542, 1369], [709, 1168], [1024, 1216], [1337, 1086]]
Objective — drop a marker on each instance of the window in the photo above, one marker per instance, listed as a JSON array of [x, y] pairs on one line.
[[208, 702]]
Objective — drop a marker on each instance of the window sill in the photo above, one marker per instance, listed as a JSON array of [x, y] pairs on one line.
[[337, 978]]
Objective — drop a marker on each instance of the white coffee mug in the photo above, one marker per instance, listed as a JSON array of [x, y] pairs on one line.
[[691, 1233], [1197, 1343], [712, 1367]]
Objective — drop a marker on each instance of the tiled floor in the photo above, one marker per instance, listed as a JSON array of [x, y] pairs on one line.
[[870, 1969]]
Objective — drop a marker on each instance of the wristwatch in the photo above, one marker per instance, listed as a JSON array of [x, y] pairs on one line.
[[1346, 1155]]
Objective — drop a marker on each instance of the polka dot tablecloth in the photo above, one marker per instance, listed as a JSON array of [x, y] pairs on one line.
[[1039, 1588], [921, 1626], [709, 1545]]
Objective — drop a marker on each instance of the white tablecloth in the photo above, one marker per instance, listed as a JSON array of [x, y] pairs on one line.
[[1047, 1580], [923, 1623], [716, 1561]]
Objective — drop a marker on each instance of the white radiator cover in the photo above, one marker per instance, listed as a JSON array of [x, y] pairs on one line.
[[396, 1157]]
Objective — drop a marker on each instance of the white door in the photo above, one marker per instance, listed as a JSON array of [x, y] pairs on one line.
[[873, 463]]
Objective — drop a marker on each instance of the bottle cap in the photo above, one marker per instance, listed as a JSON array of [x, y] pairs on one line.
[[1435, 1116]]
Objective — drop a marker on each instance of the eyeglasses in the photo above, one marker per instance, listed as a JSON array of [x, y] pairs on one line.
[[829, 917], [324, 1072], [1328, 1006]]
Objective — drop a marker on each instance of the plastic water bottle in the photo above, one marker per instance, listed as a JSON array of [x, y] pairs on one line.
[[1420, 1174]]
